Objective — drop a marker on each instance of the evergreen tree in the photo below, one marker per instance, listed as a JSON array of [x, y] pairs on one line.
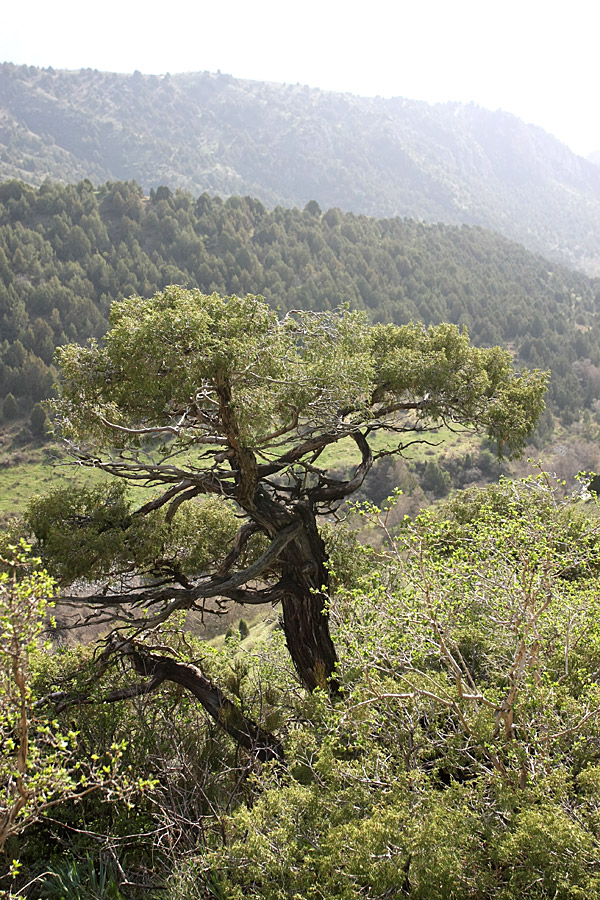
[[203, 396]]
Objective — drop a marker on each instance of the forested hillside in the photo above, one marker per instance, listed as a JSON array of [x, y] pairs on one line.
[[289, 144], [67, 252]]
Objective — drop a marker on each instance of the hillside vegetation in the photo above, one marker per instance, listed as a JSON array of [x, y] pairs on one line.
[[67, 252], [289, 144], [459, 762], [397, 678], [403, 701]]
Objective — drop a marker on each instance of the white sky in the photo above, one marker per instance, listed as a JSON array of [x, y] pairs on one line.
[[535, 58]]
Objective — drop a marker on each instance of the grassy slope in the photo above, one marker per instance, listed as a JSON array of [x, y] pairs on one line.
[[30, 467], [344, 455]]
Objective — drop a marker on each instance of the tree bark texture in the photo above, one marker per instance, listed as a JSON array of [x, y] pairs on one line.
[[242, 729], [305, 608]]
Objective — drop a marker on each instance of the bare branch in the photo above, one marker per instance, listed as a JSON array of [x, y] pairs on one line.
[[210, 586], [158, 669], [339, 490], [239, 543], [220, 708], [164, 498]]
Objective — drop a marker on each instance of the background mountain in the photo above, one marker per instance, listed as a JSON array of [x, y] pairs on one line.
[[289, 144]]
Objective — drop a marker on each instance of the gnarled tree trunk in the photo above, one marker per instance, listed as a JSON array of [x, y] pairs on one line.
[[305, 607]]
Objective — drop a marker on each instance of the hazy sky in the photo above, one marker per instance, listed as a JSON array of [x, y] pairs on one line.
[[535, 58]]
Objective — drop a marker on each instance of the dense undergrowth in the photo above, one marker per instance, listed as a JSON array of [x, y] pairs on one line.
[[460, 760]]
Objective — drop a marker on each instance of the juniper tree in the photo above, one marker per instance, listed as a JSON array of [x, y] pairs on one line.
[[227, 411]]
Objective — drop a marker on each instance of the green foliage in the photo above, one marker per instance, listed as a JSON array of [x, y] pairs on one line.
[[549, 848], [435, 479], [167, 358], [89, 879], [203, 395], [395, 270], [188, 769], [38, 421], [348, 559], [460, 761], [502, 593], [93, 533], [160, 352], [10, 407], [39, 766], [441, 361]]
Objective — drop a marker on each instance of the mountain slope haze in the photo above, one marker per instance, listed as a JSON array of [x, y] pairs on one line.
[[289, 144]]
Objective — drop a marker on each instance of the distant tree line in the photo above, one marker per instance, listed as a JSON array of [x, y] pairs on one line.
[[66, 252]]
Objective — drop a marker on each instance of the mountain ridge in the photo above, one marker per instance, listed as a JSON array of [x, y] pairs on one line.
[[289, 144]]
